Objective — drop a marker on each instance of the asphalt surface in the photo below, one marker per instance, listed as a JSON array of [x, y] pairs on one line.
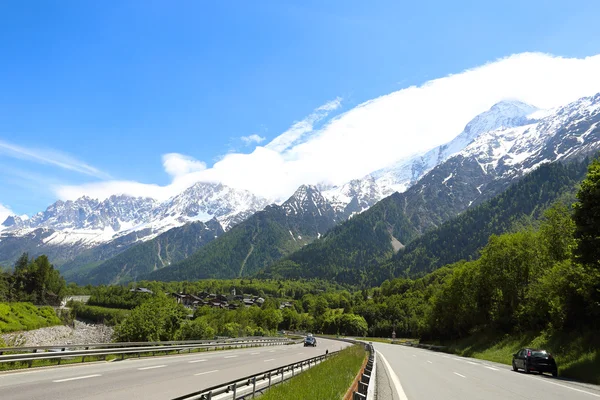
[[417, 374], [163, 377]]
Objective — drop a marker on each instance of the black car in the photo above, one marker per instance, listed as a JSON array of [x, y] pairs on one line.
[[534, 360], [310, 341]]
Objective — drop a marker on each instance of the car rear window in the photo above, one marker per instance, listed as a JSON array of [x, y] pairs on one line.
[[540, 353]]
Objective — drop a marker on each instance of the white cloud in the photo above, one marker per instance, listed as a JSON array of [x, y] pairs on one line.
[[301, 128], [178, 165], [380, 131], [252, 139], [51, 157], [5, 212]]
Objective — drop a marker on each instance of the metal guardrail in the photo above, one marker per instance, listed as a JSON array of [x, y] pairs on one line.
[[134, 348], [131, 344], [250, 386], [366, 384]]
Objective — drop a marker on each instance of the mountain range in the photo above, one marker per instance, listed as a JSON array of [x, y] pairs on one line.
[[210, 230]]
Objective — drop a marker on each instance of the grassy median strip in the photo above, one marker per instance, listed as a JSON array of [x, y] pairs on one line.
[[328, 380]]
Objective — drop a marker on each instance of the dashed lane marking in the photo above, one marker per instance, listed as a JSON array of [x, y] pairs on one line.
[[76, 378], [462, 376], [153, 367], [195, 361], [207, 372]]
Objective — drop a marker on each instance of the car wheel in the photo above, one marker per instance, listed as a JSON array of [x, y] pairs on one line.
[[515, 367], [527, 370]]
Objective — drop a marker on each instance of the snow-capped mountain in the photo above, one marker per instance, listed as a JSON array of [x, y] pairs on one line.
[[71, 227], [203, 201], [356, 196], [404, 173], [496, 158]]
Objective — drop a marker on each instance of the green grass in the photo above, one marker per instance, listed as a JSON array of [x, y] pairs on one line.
[[329, 380], [25, 316], [97, 314], [387, 340], [577, 354]]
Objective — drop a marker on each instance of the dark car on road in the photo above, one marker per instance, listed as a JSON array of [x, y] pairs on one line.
[[310, 341], [534, 360]]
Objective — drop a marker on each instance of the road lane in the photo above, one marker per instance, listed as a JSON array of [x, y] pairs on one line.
[[425, 374], [162, 377]]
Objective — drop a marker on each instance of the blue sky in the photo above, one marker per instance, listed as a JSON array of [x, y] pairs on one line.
[[91, 93]]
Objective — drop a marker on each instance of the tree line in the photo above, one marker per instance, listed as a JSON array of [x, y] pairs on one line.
[[32, 280]]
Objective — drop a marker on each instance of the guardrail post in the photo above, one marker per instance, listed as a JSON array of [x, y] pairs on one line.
[[253, 386], [269, 380], [292, 370], [234, 391]]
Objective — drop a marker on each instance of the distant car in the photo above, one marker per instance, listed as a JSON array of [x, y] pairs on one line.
[[534, 360], [310, 341]]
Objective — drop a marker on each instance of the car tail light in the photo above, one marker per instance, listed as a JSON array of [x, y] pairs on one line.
[[528, 353]]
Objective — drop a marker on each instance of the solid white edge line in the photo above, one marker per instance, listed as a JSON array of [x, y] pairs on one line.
[[230, 357], [207, 372], [462, 376], [394, 377], [195, 361], [492, 368], [152, 367], [569, 387], [76, 378], [472, 363]]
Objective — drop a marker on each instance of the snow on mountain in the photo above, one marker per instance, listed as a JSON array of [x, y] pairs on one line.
[[356, 196], [87, 221], [564, 133], [406, 172], [203, 201]]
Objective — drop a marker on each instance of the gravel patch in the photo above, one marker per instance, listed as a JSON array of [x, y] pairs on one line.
[[82, 333]]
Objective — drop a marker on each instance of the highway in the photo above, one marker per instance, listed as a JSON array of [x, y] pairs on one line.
[[406, 373], [162, 377]]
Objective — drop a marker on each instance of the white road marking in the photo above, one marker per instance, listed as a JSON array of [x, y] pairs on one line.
[[471, 362], [271, 351], [414, 355], [394, 377], [230, 356], [76, 378], [567, 387], [462, 376], [429, 362], [492, 368], [153, 367], [253, 354], [457, 359], [270, 359], [207, 372], [195, 361], [299, 354]]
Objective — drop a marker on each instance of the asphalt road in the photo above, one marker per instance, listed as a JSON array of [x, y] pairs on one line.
[[417, 374], [153, 377]]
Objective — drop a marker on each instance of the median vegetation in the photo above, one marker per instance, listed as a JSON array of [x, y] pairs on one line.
[[329, 380]]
